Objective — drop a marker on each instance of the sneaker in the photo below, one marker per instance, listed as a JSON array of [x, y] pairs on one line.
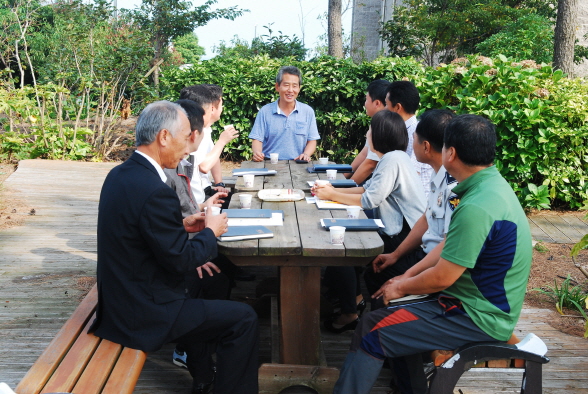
[[179, 358]]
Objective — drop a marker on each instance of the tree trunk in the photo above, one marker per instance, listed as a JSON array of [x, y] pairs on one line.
[[335, 32], [565, 36]]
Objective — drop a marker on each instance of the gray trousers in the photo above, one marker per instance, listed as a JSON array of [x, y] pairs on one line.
[[403, 333]]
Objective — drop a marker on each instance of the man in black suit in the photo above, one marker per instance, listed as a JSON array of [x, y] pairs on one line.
[[144, 255]]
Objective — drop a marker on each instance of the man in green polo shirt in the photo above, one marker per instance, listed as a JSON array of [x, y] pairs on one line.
[[482, 273]]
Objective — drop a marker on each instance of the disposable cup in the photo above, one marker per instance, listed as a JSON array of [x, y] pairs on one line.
[[337, 235], [274, 158], [248, 180], [245, 201], [353, 212], [228, 126], [323, 160], [321, 182], [214, 211], [331, 175]]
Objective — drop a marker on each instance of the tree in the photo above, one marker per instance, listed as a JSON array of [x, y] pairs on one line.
[[335, 31], [565, 36], [439, 30], [169, 19], [188, 47]]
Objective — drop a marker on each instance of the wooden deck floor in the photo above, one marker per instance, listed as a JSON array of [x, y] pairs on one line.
[[42, 262]]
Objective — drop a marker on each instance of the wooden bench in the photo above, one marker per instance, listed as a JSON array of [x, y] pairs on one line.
[[450, 365], [78, 362]]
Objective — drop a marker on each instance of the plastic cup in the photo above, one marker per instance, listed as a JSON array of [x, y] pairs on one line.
[[337, 235], [245, 201], [319, 182], [331, 175], [274, 158], [248, 180], [323, 160], [214, 211], [228, 126], [353, 212]]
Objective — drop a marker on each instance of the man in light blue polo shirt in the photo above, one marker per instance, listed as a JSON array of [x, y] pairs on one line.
[[286, 126]]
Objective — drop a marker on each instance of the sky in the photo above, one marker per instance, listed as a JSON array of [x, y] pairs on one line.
[[299, 17]]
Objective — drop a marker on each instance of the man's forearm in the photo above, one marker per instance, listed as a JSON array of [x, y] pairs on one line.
[[436, 278], [430, 260], [310, 148], [216, 172], [211, 158]]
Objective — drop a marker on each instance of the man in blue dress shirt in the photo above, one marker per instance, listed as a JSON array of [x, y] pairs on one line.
[[286, 126]]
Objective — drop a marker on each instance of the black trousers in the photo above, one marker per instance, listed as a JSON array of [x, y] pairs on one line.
[[231, 329]]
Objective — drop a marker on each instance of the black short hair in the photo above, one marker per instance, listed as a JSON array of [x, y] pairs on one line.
[[405, 93], [292, 70], [388, 132], [195, 114], [198, 93], [474, 139], [215, 90], [377, 90], [432, 125]]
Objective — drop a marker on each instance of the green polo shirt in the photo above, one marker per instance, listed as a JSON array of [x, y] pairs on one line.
[[490, 236]]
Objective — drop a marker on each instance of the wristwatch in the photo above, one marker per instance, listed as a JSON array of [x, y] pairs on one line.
[[220, 184]]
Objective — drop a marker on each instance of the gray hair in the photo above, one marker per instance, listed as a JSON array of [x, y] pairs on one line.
[[156, 117], [288, 70]]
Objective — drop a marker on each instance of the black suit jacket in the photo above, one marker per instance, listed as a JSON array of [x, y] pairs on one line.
[[143, 256]]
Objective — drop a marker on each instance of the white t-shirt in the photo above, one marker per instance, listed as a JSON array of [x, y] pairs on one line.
[[200, 180]]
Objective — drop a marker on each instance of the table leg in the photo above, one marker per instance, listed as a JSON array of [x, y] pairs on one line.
[[300, 315]]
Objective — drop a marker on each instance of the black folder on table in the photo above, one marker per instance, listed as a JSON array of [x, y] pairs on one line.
[[343, 183], [245, 232], [352, 224], [324, 167]]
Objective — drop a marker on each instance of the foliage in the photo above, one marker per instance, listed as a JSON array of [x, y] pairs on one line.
[[165, 20], [187, 46], [275, 47], [583, 244], [566, 297], [448, 28], [530, 37], [537, 197]]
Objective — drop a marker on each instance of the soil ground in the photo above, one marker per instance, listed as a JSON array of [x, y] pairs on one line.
[[551, 262]]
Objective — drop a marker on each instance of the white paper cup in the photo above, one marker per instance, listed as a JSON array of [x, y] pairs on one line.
[[337, 235], [274, 158], [214, 211], [245, 201], [331, 175], [248, 180], [227, 126], [323, 160], [353, 212]]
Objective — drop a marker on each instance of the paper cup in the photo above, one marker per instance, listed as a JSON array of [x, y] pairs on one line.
[[214, 211], [248, 180], [323, 160], [245, 201], [337, 235], [331, 175], [353, 212], [274, 158], [228, 126]]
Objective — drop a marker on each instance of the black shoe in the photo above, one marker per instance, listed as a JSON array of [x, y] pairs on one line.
[[361, 307], [329, 325], [243, 276]]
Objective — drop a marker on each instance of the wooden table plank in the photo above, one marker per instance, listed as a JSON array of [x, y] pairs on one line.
[[258, 181]]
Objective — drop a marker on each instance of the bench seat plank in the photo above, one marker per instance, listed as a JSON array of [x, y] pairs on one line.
[[48, 361], [98, 369], [126, 372], [71, 367]]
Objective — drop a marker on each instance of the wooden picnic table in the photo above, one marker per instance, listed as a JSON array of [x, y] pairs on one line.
[[299, 248]]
